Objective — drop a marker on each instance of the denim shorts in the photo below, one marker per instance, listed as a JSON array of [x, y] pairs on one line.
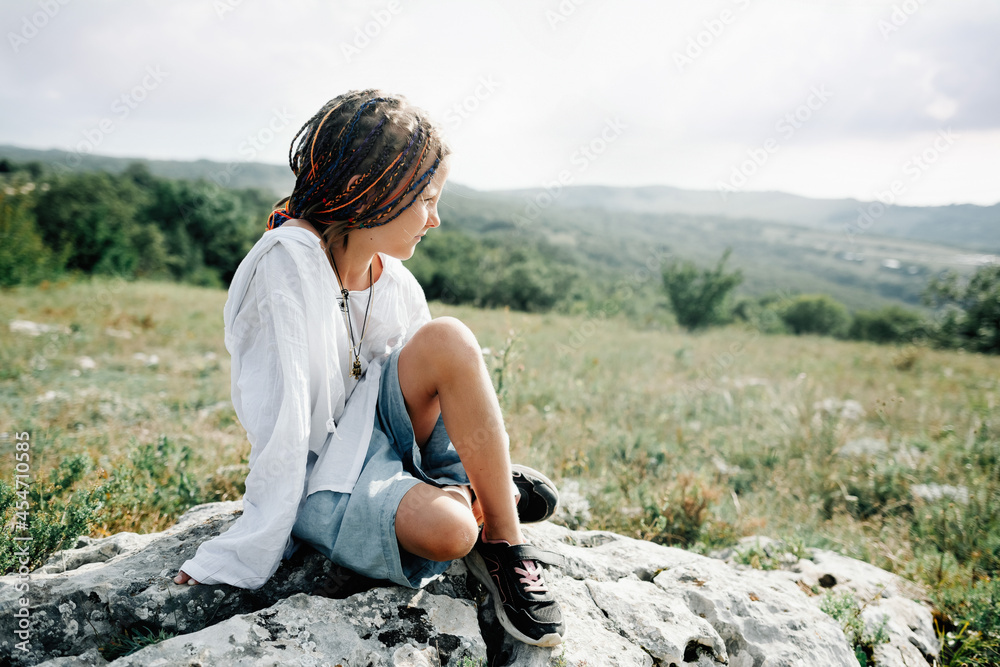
[[358, 530]]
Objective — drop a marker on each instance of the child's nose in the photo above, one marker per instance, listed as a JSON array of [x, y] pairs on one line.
[[433, 220]]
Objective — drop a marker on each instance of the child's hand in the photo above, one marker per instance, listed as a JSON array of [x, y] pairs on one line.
[[183, 577]]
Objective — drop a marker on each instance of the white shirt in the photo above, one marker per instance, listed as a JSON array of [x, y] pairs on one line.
[[307, 420]]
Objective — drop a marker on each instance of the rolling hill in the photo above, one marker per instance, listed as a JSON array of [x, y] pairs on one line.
[[782, 242]]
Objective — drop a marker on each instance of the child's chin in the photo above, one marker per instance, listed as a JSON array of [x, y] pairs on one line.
[[402, 255]]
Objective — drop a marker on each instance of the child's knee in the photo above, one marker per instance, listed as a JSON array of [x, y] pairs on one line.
[[454, 535], [451, 339], [458, 537], [432, 523]]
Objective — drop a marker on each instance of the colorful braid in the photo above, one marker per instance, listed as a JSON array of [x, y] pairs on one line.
[[380, 138]]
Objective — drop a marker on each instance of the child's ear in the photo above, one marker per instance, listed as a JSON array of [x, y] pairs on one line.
[[360, 209]]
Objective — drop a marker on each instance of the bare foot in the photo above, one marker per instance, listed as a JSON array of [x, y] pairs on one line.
[[183, 577]]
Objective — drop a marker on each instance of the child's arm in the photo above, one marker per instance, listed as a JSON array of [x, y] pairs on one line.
[[271, 374]]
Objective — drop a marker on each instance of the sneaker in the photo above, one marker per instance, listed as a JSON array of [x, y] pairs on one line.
[[539, 495], [513, 575]]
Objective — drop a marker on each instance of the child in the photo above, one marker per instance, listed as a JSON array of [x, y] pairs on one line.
[[375, 432]]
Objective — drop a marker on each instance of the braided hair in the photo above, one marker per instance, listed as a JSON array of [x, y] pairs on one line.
[[391, 145]]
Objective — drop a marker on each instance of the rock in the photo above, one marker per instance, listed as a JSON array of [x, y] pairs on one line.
[[36, 329], [910, 625], [94, 551], [626, 602], [573, 510], [725, 468], [89, 658], [81, 597], [874, 447], [383, 626], [933, 492], [877, 448], [847, 410]]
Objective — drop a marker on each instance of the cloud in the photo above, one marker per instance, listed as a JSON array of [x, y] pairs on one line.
[[562, 70]]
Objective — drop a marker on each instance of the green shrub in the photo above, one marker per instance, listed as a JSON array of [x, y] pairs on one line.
[[128, 641], [153, 483], [762, 314], [970, 630], [523, 274], [971, 312], [698, 296], [877, 490], [969, 531], [682, 515], [771, 556], [892, 324], [54, 515], [816, 314]]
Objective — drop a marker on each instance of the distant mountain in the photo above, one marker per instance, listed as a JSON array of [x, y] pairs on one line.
[[782, 242], [963, 225], [276, 179], [975, 228]]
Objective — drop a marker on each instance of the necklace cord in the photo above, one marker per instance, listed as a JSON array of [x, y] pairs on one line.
[[355, 348]]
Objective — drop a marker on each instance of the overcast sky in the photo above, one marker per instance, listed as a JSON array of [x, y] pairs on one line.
[[824, 98]]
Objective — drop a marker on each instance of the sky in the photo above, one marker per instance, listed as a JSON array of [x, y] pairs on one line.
[[896, 100]]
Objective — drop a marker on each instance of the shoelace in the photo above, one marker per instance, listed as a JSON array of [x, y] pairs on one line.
[[531, 577]]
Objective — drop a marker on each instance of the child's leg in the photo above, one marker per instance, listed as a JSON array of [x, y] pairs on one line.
[[441, 371]]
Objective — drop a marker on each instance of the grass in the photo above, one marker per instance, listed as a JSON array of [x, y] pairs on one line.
[[693, 440], [846, 610], [131, 641]]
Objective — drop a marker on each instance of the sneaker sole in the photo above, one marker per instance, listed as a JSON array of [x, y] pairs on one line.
[[515, 467], [477, 566]]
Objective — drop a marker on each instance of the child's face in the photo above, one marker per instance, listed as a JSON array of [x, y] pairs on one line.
[[399, 238]]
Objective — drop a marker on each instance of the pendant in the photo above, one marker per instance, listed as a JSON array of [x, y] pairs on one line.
[[356, 371]]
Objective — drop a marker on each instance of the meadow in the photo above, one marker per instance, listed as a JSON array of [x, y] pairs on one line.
[[888, 454]]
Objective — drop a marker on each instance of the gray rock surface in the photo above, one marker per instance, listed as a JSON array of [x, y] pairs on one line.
[[880, 594], [82, 597], [626, 602], [383, 626]]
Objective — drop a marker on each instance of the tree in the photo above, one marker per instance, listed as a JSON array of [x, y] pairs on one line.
[[972, 311], [892, 324], [92, 219], [24, 258], [207, 229], [697, 296], [816, 314]]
